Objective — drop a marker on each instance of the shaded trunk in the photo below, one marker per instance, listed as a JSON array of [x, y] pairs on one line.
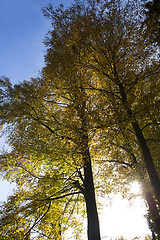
[[148, 160], [93, 229], [153, 175], [89, 194], [153, 211]]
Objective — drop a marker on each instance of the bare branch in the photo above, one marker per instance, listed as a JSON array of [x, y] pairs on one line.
[[151, 139], [63, 196], [30, 173], [149, 124], [38, 220], [116, 161]]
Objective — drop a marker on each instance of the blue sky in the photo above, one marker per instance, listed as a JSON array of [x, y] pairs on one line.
[[22, 31], [23, 28]]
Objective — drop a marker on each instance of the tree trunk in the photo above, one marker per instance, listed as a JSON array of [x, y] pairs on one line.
[[153, 211], [93, 229], [89, 194], [148, 160], [153, 175]]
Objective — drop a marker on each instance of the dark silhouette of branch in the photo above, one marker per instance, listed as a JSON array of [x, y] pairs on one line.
[[38, 220], [115, 161], [151, 139], [63, 196]]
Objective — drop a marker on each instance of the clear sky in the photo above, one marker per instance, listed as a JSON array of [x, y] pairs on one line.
[[22, 30]]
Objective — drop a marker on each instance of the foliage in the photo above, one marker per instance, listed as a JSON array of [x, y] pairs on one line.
[[152, 20], [42, 176]]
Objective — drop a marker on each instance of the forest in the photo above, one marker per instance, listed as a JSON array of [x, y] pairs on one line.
[[88, 124]]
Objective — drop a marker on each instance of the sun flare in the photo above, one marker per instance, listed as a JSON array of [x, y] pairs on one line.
[[135, 188], [125, 217]]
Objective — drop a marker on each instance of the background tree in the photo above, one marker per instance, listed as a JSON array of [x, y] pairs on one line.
[[125, 69], [38, 105]]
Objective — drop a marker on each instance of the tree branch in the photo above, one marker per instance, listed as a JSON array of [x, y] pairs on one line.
[[63, 196], [38, 220], [116, 161]]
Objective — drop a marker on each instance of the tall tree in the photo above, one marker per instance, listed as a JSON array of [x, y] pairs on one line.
[[109, 42], [49, 124]]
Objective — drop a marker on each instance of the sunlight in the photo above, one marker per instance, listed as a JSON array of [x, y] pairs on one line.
[[135, 188], [122, 217], [125, 217]]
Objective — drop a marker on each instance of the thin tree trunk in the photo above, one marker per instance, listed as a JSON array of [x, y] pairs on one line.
[[148, 160], [153, 175], [93, 229], [153, 211]]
